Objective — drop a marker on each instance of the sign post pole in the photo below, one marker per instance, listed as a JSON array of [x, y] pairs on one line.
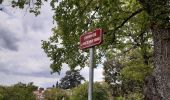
[[89, 40], [91, 74]]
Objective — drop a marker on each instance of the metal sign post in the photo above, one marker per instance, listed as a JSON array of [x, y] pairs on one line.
[[89, 40], [91, 74]]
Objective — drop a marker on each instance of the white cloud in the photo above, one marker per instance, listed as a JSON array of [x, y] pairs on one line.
[[39, 81], [98, 76]]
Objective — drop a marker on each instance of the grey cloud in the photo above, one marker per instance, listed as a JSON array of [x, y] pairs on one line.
[[8, 39], [19, 32], [12, 70], [38, 23], [44, 74], [42, 22]]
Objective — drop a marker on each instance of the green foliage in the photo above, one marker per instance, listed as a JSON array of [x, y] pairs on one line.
[[1, 97], [74, 17], [100, 92], [127, 25], [125, 73], [135, 68], [19, 91], [119, 98], [80, 92], [56, 94], [111, 72], [71, 79], [135, 96], [33, 6], [130, 96], [159, 11], [122, 20]]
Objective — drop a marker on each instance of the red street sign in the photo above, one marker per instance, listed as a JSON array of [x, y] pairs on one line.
[[91, 39]]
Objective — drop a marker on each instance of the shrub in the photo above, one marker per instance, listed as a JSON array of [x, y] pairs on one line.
[[135, 96], [130, 96], [56, 94], [16, 93], [99, 93]]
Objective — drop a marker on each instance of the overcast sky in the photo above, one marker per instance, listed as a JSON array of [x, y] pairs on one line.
[[21, 56]]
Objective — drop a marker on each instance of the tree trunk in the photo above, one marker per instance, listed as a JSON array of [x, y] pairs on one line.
[[158, 85], [161, 38]]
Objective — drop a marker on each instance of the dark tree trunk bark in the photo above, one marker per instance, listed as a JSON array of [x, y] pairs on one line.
[[157, 86], [161, 71]]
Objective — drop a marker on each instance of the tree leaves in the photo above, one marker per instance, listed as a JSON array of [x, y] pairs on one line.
[[19, 91], [71, 79], [33, 6], [121, 21], [74, 17]]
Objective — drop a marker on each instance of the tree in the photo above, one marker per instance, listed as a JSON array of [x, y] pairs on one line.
[[18, 91], [125, 74], [56, 94], [100, 92], [71, 79], [112, 75], [158, 11], [121, 20], [57, 85]]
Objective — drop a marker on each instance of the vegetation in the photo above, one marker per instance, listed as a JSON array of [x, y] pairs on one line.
[[71, 79], [81, 92], [125, 75], [75, 17], [18, 91], [135, 30], [56, 94]]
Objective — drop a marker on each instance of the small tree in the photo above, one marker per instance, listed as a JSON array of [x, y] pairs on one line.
[[112, 74], [56, 94], [71, 79], [126, 73], [100, 92], [18, 91]]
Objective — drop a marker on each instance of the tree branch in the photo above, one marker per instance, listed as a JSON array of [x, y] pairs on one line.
[[92, 16], [128, 18], [81, 13]]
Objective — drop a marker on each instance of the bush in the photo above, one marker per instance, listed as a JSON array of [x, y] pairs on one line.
[[16, 93], [56, 94], [119, 98], [99, 93], [130, 96], [135, 96], [1, 97]]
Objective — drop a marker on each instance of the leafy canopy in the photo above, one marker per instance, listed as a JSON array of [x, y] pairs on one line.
[[71, 79], [122, 20], [100, 92], [18, 91], [56, 94]]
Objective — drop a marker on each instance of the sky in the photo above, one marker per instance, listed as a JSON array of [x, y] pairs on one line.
[[21, 57]]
